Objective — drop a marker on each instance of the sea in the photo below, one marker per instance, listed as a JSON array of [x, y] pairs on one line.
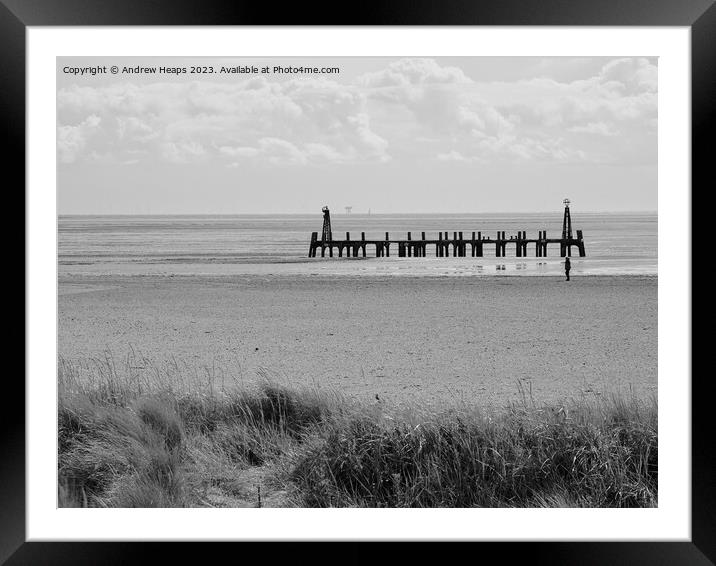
[[275, 245]]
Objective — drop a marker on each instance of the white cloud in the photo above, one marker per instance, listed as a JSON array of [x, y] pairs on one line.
[[183, 122], [413, 71], [630, 75], [182, 152], [239, 151], [414, 108], [72, 140], [596, 128], [321, 151], [281, 152]]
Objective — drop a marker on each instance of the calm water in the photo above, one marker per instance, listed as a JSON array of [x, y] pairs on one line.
[[616, 244]]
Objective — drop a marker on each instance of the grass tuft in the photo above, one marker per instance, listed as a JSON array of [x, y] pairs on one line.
[[127, 442]]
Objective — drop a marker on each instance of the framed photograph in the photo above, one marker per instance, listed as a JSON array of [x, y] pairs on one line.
[[423, 275]]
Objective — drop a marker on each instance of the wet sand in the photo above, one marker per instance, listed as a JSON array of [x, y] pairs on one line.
[[403, 338]]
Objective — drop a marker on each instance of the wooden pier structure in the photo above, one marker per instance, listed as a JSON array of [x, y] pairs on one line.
[[445, 245]]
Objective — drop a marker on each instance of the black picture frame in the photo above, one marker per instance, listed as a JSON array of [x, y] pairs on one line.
[[699, 15]]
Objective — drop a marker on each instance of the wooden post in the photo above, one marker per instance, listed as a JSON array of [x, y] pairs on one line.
[[538, 244], [497, 245], [518, 247], [312, 246], [580, 243]]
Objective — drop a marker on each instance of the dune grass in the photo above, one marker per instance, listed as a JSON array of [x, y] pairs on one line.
[[128, 442]]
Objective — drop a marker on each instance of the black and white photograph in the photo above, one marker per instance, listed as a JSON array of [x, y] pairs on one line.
[[357, 281]]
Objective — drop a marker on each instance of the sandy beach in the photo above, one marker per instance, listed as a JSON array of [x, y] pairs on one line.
[[339, 282], [404, 339]]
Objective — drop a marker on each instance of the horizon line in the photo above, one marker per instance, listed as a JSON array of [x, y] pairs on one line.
[[343, 214]]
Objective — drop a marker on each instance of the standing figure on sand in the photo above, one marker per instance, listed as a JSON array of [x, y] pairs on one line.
[[567, 267]]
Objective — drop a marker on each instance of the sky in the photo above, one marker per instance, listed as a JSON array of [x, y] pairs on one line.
[[386, 134]]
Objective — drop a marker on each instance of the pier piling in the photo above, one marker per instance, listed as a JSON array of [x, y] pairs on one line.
[[444, 243]]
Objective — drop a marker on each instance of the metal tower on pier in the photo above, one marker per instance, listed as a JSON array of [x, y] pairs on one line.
[[566, 222], [327, 234]]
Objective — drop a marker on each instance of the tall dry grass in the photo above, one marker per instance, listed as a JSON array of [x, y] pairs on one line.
[[167, 440]]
